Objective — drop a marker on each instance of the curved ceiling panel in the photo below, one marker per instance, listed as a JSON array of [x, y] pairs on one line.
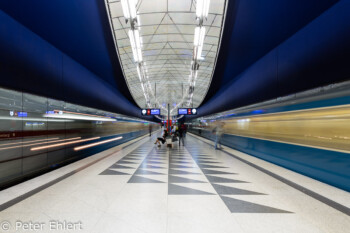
[[162, 53], [253, 28]]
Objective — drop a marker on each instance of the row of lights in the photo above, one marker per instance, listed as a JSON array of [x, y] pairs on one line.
[[202, 10], [130, 14]]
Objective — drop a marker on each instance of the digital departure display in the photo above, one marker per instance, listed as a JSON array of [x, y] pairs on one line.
[[182, 111], [187, 111], [148, 112], [155, 111]]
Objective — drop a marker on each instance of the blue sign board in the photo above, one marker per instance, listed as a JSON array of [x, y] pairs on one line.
[[155, 111], [187, 111], [22, 114], [182, 111]]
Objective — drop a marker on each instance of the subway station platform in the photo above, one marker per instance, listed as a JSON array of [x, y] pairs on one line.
[[137, 187]]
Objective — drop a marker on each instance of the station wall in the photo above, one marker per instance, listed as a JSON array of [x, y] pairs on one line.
[[38, 134]]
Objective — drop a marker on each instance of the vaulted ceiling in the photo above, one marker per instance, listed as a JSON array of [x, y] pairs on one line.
[[167, 31], [79, 51]]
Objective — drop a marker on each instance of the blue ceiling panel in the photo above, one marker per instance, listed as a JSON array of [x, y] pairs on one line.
[[79, 28], [316, 55], [255, 27], [31, 64]]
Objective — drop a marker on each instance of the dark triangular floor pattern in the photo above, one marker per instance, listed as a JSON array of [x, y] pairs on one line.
[[113, 172], [239, 206], [178, 166], [128, 158], [140, 179], [209, 166], [125, 162], [221, 189], [153, 162], [151, 166], [234, 205], [178, 161], [181, 172], [146, 172], [200, 161], [216, 179], [208, 171], [177, 179], [180, 190], [133, 157], [118, 166]]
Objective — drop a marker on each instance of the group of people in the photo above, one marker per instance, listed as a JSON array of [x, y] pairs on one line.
[[178, 132]]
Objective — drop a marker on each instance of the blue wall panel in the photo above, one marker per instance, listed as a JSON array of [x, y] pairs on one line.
[[29, 63], [316, 55]]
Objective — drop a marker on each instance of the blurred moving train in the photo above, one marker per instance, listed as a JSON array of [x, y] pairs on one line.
[[307, 132], [38, 134]]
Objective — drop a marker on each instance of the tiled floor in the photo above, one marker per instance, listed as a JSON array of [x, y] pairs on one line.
[[191, 189]]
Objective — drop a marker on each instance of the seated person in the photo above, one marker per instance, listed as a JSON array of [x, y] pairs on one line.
[[162, 139]]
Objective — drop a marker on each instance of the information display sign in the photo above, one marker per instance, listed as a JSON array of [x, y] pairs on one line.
[[187, 111], [150, 111]]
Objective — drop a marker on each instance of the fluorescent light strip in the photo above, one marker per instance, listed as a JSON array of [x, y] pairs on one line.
[[135, 41], [79, 113], [11, 143], [12, 147], [202, 35], [206, 8], [25, 119], [138, 45], [63, 144], [133, 44], [202, 8], [129, 9], [125, 8], [139, 73], [78, 117], [132, 8], [199, 8], [200, 42], [196, 36], [96, 143]]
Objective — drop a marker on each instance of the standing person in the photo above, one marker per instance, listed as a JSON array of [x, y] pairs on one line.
[[173, 130], [218, 131], [181, 135], [184, 129], [150, 129]]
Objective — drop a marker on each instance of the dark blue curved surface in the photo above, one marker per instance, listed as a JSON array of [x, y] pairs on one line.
[[294, 56], [31, 64], [78, 28], [269, 48]]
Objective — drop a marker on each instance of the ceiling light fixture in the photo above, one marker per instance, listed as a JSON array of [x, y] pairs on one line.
[[135, 42], [202, 8], [199, 34], [129, 9]]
